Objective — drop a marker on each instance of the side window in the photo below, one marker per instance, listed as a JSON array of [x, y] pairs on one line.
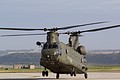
[[83, 60]]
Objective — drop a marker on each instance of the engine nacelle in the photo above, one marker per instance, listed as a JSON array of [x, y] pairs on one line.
[[81, 49]]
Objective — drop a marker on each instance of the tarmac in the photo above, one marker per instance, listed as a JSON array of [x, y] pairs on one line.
[[38, 76]]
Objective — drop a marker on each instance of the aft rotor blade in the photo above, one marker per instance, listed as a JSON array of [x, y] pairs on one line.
[[68, 27], [99, 29], [23, 35]]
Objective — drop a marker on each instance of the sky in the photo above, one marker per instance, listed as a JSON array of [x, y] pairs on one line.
[[54, 13]]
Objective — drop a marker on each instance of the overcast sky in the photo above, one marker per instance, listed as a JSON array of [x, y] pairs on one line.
[[60, 13]]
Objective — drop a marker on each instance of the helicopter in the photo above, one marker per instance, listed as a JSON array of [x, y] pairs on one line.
[[59, 57]]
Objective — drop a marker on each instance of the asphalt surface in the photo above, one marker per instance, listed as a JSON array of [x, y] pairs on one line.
[[37, 76]]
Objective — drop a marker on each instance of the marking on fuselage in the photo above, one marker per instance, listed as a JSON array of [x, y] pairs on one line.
[[70, 59]]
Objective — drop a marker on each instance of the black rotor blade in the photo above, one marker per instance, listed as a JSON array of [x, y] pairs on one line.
[[68, 27], [23, 35], [21, 29], [51, 29], [91, 30], [99, 29]]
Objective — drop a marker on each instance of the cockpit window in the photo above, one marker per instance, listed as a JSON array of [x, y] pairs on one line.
[[51, 46], [55, 46]]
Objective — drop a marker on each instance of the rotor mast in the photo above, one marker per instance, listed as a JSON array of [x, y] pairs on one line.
[[52, 37], [74, 40]]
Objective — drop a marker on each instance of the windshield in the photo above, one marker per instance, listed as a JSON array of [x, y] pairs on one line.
[[50, 46]]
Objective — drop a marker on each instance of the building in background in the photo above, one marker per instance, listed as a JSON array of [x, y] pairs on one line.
[[31, 66], [17, 66]]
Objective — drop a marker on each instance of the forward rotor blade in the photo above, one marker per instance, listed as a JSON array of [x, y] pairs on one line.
[[51, 29], [99, 29], [68, 27], [23, 35], [20, 29]]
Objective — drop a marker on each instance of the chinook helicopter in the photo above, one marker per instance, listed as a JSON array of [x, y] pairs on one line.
[[59, 57]]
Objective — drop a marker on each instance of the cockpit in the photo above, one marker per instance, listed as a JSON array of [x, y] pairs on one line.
[[51, 46]]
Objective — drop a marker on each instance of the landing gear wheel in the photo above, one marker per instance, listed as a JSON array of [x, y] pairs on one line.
[[43, 73], [46, 73], [73, 73], [86, 75], [57, 76]]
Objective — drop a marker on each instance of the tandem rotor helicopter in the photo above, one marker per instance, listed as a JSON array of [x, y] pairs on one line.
[[59, 57]]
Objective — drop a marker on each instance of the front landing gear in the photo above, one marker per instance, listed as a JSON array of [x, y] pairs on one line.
[[44, 73]]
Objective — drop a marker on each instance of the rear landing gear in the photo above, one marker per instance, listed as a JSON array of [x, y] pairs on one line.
[[57, 76], [73, 73], [86, 75]]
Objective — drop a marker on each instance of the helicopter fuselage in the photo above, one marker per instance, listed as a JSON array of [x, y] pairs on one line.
[[60, 57]]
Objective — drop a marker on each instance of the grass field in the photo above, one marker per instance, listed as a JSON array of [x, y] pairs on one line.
[[38, 70], [104, 68]]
